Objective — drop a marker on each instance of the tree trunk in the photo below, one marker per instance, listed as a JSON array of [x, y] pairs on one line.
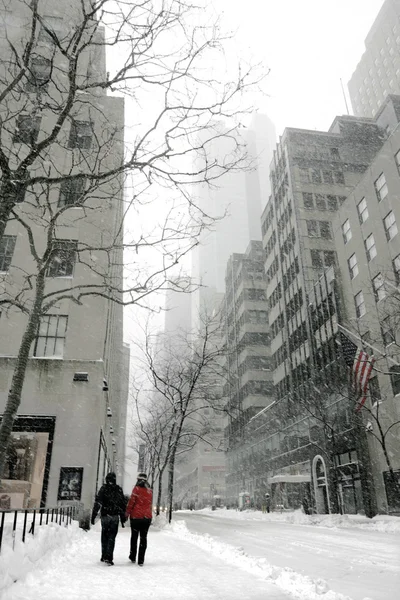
[[364, 463], [395, 482], [171, 466], [14, 395], [159, 493]]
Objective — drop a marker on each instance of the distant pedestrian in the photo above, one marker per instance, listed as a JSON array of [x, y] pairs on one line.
[[306, 505], [267, 502], [111, 502], [139, 511]]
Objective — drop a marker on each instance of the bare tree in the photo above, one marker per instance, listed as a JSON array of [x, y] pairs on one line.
[[62, 148], [186, 376]]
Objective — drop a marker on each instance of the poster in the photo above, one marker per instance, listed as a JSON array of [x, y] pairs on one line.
[[70, 486]]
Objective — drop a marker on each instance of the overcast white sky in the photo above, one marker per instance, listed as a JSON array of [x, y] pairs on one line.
[[308, 45]]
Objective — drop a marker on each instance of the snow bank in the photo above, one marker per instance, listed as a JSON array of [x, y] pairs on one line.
[[299, 586], [382, 523], [16, 564]]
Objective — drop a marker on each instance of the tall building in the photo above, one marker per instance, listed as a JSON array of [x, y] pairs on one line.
[[249, 388], [312, 174], [238, 197], [368, 246], [378, 73], [70, 428]]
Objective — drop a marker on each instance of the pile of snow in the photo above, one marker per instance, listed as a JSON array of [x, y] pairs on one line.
[[299, 586], [382, 523], [17, 563]]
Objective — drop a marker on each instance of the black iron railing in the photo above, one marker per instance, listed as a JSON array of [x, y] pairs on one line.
[[62, 515]]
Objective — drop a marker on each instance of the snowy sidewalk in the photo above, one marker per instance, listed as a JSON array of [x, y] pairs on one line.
[[174, 568]]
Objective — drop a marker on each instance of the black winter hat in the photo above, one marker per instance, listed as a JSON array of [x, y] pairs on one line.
[[111, 478], [142, 476]]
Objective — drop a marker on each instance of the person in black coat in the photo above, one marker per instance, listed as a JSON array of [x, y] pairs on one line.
[[111, 502]]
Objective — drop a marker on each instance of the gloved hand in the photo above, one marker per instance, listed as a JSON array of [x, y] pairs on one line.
[[92, 521]]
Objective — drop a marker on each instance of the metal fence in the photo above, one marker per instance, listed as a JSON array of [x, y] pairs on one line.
[[62, 515]]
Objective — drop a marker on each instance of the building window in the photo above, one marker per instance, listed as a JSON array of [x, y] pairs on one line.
[[395, 379], [328, 177], [7, 245], [359, 304], [39, 74], [27, 130], [370, 247], [316, 259], [332, 202], [379, 287], [335, 153], [362, 209], [397, 156], [329, 258], [339, 177], [312, 228], [51, 336], [316, 176], [81, 135], [346, 231], [308, 200], [396, 268], [381, 187], [325, 230], [71, 192], [63, 259], [353, 266], [320, 201], [390, 226], [387, 331]]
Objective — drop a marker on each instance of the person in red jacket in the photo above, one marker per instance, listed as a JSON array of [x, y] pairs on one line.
[[140, 512]]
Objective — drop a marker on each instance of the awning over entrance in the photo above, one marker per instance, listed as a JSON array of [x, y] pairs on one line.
[[306, 477]]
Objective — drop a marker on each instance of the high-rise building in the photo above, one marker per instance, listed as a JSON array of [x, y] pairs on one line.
[[236, 202], [367, 242], [70, 428], [378, 73], [312, 174], [249, 388]]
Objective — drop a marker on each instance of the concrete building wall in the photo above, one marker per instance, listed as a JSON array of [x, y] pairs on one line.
[[378, 73], [89, 417]]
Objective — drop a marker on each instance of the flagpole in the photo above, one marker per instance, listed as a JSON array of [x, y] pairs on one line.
[[358, 338]]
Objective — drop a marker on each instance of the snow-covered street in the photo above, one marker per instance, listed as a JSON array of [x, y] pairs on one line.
[[217, 555]]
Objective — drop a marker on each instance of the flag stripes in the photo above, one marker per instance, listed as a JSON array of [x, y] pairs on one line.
[[361, 365]]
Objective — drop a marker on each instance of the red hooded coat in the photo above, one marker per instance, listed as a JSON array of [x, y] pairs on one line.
[[140, 505]]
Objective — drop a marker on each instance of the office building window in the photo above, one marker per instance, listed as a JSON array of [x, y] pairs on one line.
[[390, 226], [39, 74], [325, 230], [353, 266], [370, 247], [397, 155], [362, 209], [63, 259], [339, 177], [379, 287], [81, 135], [316, 176], [328, 177], [316, 259], [346, 231], [395, 379], [71, 192], [27, 130], [329, 258], [312, 228], [7, 245], [381, 187], [332, 202], [396, 268], [335, 153], [51, 336], [387, 331], [359, 304], [308, 200], [320, 201]]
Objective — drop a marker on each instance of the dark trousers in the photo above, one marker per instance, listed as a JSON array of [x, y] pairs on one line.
[[109, 530], [139, 526]]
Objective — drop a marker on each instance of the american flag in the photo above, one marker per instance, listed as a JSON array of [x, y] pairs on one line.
[[361, 365]]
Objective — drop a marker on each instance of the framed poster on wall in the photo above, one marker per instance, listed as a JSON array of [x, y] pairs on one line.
[[70, 484]]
